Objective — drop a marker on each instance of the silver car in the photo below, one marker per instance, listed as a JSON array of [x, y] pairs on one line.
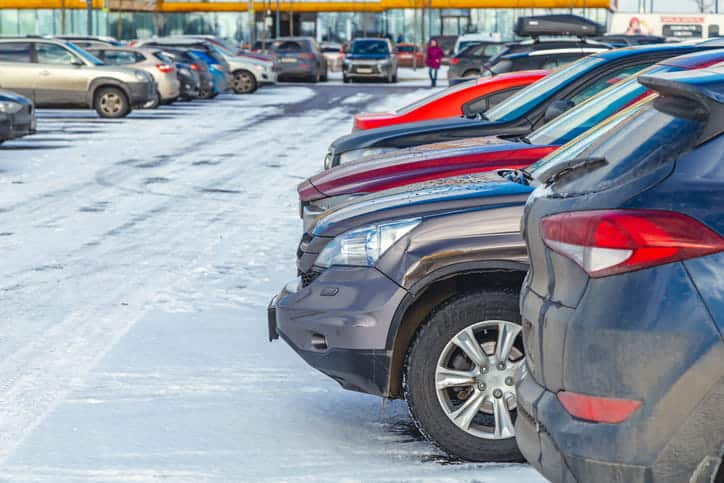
[[152, 61], [370, 59], [55, 73]]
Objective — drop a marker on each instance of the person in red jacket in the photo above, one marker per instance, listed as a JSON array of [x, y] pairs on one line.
[[433, 58]]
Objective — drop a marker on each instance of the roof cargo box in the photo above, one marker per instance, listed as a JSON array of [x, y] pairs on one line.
[[557, 25]]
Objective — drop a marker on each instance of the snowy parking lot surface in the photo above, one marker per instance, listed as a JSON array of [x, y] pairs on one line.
[[139, 257]]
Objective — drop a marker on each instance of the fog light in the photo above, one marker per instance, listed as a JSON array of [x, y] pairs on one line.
[[319, 342]]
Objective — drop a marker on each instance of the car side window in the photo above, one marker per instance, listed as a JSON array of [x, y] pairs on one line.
[[54, 54], [609, 79], [483, 103], [120, 57], [492, 49], [15, 52], [557, 61]]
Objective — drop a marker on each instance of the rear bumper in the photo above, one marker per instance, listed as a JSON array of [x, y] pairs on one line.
[[17, 125], [661, 349]]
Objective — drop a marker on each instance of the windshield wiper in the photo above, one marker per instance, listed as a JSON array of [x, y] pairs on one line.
[[552, 175]]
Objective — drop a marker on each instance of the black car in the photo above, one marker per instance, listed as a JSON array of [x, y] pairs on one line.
[[185, 57], [519, 114], [17, 116], [622, 306], [468, 62]]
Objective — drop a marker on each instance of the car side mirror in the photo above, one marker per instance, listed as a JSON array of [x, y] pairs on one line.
[[77, 63], [556, 108]]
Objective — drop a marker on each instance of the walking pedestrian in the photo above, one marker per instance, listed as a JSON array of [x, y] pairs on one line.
[[433, 58]]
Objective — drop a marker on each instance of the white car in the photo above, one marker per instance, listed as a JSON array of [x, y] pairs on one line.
[[467, 40]]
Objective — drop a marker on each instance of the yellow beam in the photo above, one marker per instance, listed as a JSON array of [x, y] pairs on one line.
[[306, 6]]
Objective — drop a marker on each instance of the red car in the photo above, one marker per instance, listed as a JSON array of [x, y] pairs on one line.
[[409, 55], [468, 99]]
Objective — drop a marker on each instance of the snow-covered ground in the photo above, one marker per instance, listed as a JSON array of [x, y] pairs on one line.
[[138, 258]]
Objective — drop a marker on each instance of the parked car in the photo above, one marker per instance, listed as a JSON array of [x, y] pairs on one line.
[[524, 111], [448, 262], [195, 60], [247, 74], [332, 51], [466, 40], [469, 99], [370, 59], [168, 87], [398, 291], [17, 116], [189, 79], [622, 312], [622, 40], [410, 55], [300, 57], [220, 79], [56, 73], [467, 63], [84, 40], [333, 187]]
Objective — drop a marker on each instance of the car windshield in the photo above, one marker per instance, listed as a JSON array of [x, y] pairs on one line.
[[593, 111], [369, 47], [433, 97], [405, 48], [82, 53], [540, 91]]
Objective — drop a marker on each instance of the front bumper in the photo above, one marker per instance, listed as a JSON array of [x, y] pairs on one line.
[[267, 77], [368, 71], [141, 93], [19, 124], [339, 324]]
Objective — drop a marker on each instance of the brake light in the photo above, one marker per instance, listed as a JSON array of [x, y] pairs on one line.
[[454, 61], [597, 409], [306, 55], [195, 67], [165, 68], [607, 242]]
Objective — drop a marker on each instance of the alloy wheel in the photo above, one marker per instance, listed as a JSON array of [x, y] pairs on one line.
[[243, 82], [111, 103], [475, 378]]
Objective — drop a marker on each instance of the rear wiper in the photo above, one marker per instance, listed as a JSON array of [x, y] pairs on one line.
[[558, 171]]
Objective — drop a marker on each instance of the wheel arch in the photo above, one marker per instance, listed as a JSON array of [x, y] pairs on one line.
[[101, 82], [434, 289]]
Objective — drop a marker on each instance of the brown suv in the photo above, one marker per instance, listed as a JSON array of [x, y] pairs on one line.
[[55, 73]]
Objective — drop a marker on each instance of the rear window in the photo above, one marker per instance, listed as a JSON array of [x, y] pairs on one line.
[[15, 52], [657, 134], [369, 47], [289, 46], [405, 48]]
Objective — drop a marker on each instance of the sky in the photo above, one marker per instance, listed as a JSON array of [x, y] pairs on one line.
[[665, 5]]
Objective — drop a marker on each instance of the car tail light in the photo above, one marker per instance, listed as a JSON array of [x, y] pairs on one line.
[[306, 55], [195, 67], [454, 61], [608, 242], [597, 409], [165, 68]]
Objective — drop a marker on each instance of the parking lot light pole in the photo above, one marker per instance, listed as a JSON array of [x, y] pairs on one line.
[[89, 24]]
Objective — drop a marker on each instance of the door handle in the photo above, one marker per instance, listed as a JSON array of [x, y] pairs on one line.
[[45, 73]]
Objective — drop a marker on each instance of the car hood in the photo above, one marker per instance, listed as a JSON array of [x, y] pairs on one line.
[[421, 163], [366, 56], [431, 198], [11, 96], [415, 133]]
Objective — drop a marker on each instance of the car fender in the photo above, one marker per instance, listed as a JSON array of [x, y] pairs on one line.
[[106, 81]]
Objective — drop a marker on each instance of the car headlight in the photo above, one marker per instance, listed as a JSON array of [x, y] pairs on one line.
[[356, 154], [9, 107], [364, 246]]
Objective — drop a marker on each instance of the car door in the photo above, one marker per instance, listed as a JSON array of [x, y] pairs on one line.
[[62, 78], [17, 68]]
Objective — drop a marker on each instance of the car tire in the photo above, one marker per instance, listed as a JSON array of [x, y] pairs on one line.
[[394, 78], [345, 79], [480, 317], [111, 102], [154, 103], [471, 73], [244, 82]]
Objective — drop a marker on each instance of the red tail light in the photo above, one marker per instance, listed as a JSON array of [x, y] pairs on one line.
[[598, 409], [608, 242], [306, 55], [454, 60], [195, 67], [165, 68]]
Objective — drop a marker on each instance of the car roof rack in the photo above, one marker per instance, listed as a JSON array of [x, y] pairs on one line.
[[559, 24]]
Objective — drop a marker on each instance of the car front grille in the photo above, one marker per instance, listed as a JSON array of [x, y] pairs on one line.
[[309, 277]]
